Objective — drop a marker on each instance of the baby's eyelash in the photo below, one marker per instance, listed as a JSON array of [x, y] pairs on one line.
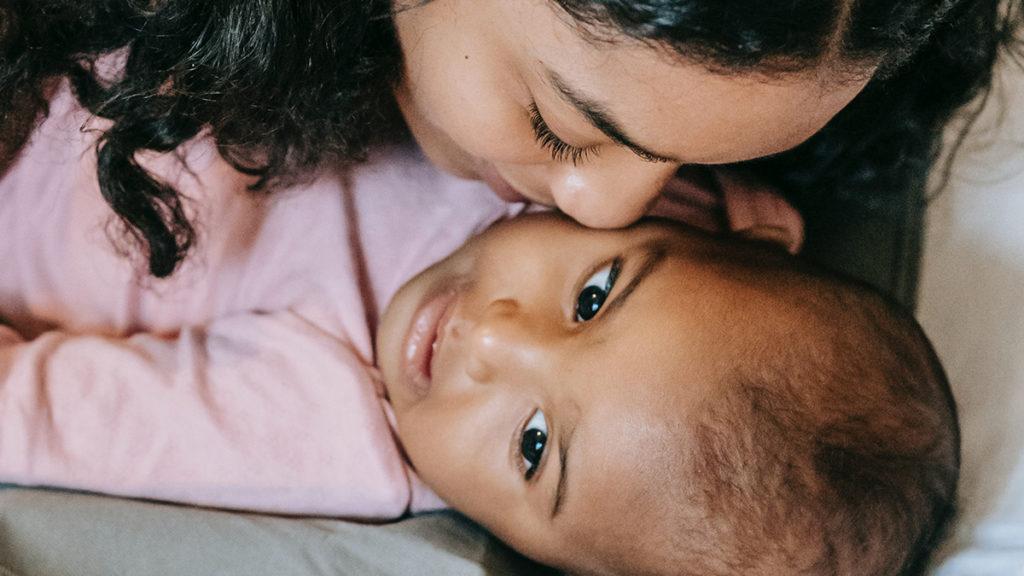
[[516, 448], [561, 151]]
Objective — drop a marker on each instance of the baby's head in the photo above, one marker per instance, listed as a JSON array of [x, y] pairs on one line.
[[656, 401]]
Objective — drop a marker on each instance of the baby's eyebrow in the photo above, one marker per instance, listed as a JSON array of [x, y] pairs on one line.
[[653, 254], [564, 440]]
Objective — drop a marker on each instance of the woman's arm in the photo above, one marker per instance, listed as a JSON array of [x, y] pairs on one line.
[[258, 411]]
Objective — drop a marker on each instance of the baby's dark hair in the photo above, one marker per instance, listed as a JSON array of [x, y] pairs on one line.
[[832, 445], [286, 85]]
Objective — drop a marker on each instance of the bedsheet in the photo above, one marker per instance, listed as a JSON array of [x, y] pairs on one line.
[[51, 533]]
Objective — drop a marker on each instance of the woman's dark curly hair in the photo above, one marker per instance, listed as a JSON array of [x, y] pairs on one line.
[[933, 58], [282, 86], [285, 85]]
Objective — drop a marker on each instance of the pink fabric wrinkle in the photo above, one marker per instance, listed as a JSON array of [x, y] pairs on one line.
[[371, 307]]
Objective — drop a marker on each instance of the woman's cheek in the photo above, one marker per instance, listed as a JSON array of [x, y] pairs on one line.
[[487, 123], [479, 108]]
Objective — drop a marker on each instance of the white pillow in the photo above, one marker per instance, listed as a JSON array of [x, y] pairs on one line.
[[971, 303]]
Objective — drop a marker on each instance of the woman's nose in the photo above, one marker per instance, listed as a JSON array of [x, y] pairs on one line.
[[609, 193], [503, 342]]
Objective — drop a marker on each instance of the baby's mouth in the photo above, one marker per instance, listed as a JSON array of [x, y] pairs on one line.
[[424, 340]]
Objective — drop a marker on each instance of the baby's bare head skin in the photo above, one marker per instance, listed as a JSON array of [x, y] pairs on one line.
[[829, 446], [655, 401]]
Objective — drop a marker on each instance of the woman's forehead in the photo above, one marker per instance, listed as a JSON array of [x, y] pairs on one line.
[[676, 108]]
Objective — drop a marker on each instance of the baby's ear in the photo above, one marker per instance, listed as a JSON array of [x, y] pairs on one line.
[[756, 211]]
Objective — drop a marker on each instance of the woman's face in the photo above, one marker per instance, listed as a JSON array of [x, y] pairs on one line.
[[510, 92]]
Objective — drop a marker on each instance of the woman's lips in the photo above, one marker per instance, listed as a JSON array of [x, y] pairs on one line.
[[426, 332]]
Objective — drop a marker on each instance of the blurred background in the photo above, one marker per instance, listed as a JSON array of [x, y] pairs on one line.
[[971, 304]]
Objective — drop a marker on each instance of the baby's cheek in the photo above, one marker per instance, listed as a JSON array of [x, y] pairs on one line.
[[434, 450]]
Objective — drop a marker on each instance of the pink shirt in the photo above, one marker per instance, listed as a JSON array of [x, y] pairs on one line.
[[246, 380]]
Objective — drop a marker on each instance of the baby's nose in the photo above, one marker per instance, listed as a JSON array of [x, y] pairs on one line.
[[503, 343]]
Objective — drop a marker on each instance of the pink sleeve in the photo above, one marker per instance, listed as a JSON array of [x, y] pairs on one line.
[[260, 412]]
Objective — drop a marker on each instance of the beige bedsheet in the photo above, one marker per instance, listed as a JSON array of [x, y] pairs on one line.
[[47, 533]]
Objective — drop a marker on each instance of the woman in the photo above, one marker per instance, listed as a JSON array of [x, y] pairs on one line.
[[589, 105]]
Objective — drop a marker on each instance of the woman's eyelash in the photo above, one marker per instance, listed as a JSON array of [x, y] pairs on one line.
[[561, 151]]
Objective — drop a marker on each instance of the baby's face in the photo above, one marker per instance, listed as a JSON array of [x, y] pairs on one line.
[[540, 377]]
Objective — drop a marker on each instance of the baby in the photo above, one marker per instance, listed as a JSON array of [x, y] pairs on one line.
[[651, 400], [657, 401]]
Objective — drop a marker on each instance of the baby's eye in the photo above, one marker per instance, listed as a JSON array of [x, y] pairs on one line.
[[595, 291], [533, 442]]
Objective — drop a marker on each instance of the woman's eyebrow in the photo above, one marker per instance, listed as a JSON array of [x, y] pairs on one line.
[[599, 117]]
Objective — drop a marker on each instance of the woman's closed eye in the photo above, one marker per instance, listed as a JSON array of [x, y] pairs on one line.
[[532, 443], [561, 151], [595, 291]]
